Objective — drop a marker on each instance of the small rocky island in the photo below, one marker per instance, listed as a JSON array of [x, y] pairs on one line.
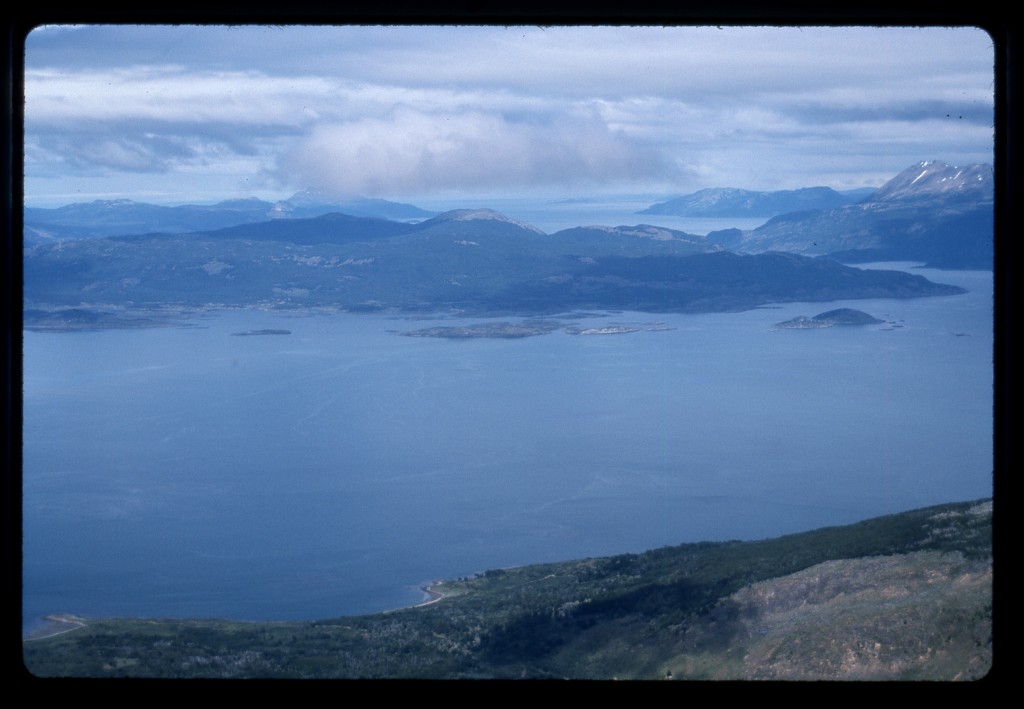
[[606, 330], [527, 328], [841, 316], [261, 332]]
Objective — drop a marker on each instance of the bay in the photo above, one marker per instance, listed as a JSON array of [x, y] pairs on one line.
[[554, 215], [186, 472]]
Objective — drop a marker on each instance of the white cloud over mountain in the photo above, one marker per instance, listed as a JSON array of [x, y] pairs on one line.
[[410, 150]]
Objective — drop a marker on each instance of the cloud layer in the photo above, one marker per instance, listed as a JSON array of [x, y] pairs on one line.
[[412, 151], [400, 111]]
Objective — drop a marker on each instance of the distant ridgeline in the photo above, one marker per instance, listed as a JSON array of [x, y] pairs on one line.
[[905, 596], [482, 262], [931, 212]]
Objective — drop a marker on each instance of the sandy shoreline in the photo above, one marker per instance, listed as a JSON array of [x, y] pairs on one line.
[[433, 596], [56, 625]]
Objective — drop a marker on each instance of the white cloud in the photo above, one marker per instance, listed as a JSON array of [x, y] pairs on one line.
[[170, 94], [411, 151]]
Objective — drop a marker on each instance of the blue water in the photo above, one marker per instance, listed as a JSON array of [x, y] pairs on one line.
[[552, 216], [186, 472]]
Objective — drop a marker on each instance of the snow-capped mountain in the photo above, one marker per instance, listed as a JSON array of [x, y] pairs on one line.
[[932, 212], [936, 179]]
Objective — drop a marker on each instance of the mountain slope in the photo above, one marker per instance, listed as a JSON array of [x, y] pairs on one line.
[[331, 228], [905, 596], [732, 202], [469, 260], [312, 203], [932, 212], [934, 179], [122, 217]]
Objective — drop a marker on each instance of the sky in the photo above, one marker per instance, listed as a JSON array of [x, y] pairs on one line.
[[199, 114]]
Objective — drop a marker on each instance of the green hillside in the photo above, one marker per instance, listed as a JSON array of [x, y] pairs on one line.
[[905, 596]]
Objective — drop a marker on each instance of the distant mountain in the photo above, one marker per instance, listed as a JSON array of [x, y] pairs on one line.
[[123, 217], [731, 202], [312, 203], [474, 221], [934, 180], [474, 261], [642, 239], [332, 228], [940, 214]]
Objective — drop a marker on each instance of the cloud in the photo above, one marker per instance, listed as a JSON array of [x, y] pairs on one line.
[[134, 146], [397, 111], [170, 93], [413, 151], [124, 154]]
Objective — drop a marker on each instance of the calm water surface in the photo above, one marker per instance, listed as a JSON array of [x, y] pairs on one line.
[[187, 472]]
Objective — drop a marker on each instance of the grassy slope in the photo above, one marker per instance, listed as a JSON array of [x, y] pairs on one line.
[[903, 596]]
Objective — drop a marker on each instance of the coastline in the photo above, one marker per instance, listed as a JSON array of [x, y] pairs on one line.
[[433, 595], [60, 623], [56, 624]]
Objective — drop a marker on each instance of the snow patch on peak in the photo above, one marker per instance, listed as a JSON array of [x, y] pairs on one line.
[[934, 177]]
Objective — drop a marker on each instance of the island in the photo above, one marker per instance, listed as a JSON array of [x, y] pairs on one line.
[[261, 332], [841, 316], [607, 330], [83, 319], [527, 328]]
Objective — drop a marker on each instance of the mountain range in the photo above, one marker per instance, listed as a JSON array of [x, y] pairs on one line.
[[733, 202], [477, 262], [931, 212], [482, 262], [119, 217]]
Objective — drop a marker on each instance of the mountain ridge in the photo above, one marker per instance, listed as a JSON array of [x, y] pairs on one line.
[[484, 262], [124, 217], [740, 203], [931, 212], [479, 262]]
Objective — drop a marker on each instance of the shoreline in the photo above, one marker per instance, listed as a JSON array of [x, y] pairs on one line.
[[433, 596], [60, 623], [56, 624]]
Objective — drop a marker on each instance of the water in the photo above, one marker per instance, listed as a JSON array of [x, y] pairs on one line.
[[186, 472], [552, 216]]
